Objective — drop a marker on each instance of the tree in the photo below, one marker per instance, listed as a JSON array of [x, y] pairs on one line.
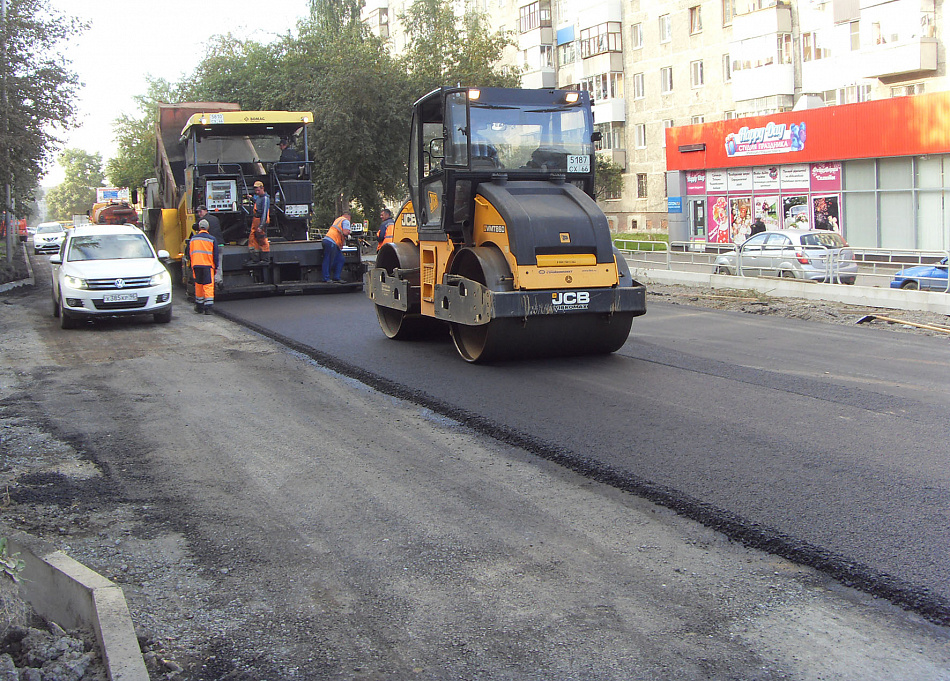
[[445, 49], [135, 160], [608, 178], [77, 193], [38, 91]]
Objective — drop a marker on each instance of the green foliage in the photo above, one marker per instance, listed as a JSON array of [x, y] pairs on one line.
[[11, 565], [608, 178], [77, 193], [445, 49], [40, 90]]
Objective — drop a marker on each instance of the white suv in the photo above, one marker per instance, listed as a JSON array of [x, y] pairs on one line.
[[109, 270], [48, 237]]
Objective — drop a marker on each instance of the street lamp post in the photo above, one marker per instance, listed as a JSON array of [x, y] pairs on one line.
[[6, 131]]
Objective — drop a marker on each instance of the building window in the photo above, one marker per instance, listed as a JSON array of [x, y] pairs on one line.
[[728, 115], [641, 185], [666, 30], [726, 69], [534, 16], [811, 47], [611, 136], [639, 90], [907, 90], [566, 54], [604, 86], [600, 39], [641, 134], [666, 79], [696, 19], [728, 11], [668, 123], [784, 48], [696, 73], [547, 56], [636, 36], [855, 36], [697, 120]]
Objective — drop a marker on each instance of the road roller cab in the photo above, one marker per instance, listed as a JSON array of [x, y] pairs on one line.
[[501, 239]]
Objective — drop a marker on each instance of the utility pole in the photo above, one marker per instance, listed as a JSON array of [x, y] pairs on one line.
[[6, 132]]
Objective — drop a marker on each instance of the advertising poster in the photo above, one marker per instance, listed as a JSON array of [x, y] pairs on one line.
[[718, 220], [765, 179], [826, 212], [741, 218], [766, 207], [794, 177], [716, 182], [795, 212]]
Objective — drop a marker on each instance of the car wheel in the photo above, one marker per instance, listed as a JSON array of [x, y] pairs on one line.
[[55, 306], [786, 274], [910, 285], [722, 270], [66, 321], [163, 317]]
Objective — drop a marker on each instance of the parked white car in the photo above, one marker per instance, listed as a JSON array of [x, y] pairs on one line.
[[48, 237], [106, 271]]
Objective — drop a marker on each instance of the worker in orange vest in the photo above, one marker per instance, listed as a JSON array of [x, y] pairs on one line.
[[203, 254], [333, 247], [386, 228], [257, 240]]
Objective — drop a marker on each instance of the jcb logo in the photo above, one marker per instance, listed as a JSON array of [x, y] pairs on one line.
[[408, 219], [570, 298]]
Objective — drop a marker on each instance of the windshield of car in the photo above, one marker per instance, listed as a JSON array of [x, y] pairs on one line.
[[109, 247], [826, 239], [49, 229]]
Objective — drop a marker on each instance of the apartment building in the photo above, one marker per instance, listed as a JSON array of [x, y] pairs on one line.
[[652, 65]]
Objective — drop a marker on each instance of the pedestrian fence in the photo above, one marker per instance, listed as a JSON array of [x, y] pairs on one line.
[[869, 266]]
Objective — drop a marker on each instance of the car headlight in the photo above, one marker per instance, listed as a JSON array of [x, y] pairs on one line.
[[161, 278], [74, 282]]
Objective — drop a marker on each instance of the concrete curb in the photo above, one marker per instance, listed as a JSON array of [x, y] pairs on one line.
[[867, 296], [67, 592]]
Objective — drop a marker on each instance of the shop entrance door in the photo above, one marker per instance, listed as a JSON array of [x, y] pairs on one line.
[[697, 219]]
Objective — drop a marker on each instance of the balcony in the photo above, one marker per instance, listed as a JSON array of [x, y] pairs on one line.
[[764, 81], [616, 156], [892, 59], [767, 21], [543, 79], [609, 111]]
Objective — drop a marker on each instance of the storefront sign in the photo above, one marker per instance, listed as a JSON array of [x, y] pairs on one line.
[[695, 182], [716, 182], [674, 204], [794, 177], [765, 179], [826, 177], [739, 179], [773, 138]]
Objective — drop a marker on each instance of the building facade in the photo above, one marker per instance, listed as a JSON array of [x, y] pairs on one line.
[[653, 65]]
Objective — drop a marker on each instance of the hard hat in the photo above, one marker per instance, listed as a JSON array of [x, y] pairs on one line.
[[259, 184], [202, 224]]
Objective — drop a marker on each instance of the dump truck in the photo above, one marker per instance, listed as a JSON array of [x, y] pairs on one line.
[[501, 238], [211, 154]]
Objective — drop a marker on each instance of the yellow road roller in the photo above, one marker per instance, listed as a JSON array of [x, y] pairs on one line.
[[501, 239]]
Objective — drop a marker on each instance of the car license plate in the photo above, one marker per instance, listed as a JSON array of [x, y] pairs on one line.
[[120, 298]]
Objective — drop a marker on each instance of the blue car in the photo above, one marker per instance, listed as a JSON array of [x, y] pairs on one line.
[[923, 277]]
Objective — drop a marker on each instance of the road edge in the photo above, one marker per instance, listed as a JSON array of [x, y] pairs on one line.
[[67, 592]]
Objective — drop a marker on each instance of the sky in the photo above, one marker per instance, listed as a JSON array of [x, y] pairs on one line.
[[131, 39]]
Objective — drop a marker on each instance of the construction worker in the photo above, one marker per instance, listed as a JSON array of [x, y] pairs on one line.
[[203, 254], [257, 240], [333, 247], [386, 228]]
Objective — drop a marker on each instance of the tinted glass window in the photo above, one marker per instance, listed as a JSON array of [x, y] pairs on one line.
[[826, 239]]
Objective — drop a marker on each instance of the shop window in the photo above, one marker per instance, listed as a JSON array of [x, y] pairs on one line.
[[933, 208], [666, 79], [696, 19], [859, 175], [696, 73], [860, 219], [895, 173], [726, 69], [641, 185], [929, 172], [636, 36], [897, 230], [666, 29]]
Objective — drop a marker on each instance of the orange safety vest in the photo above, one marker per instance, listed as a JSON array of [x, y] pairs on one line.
[[201, 250], [387, 235], [336, 232]]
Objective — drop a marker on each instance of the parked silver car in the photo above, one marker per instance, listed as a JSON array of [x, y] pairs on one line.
[[813, 254]]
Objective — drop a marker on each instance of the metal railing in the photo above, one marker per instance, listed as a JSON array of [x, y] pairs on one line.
[[872, 266]]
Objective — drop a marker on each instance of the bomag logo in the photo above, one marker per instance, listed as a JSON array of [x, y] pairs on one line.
[[570, 300]]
